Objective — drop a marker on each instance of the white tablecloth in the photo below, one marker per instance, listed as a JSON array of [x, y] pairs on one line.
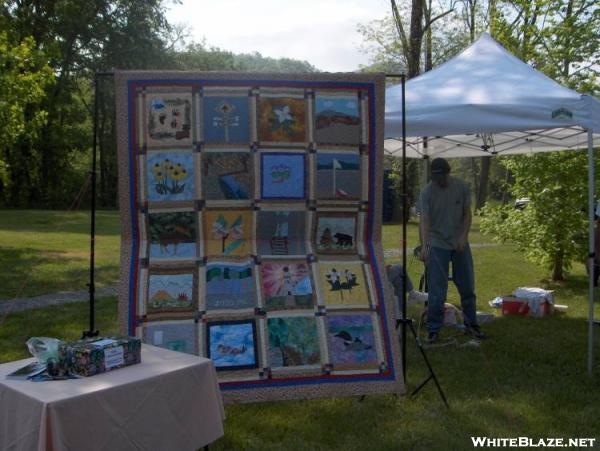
[[170, 401]]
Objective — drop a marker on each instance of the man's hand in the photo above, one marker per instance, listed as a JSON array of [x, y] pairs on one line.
[[461, 243]]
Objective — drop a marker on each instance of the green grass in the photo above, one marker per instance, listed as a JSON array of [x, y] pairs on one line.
[[48, 251], [529, 379]]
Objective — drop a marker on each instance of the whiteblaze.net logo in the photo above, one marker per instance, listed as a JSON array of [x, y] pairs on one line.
[[527, 442]]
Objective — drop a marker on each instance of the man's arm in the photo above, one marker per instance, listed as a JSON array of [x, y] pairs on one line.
[[424, 236], [465, 228]]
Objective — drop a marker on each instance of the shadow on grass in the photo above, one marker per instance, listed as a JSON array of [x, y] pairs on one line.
[[51, 221], [30, 272], [59, 321]]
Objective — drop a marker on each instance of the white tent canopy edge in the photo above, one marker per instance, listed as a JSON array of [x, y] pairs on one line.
[[485, 101]]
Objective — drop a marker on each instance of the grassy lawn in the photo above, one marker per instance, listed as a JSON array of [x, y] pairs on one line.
[[529, 379], [48, 251]]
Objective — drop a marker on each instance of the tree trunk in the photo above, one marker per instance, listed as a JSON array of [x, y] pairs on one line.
[[484, 178], [567, 60], [493, 18], [416, 38], [474, 175], [428, 41], [557, 267]]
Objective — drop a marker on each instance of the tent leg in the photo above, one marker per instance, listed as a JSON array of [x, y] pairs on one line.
[[591, 250]]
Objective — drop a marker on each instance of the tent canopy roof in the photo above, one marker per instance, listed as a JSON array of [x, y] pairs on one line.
[[487, 101]]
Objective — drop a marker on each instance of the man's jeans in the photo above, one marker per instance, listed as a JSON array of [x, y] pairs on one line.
[[463, 276]]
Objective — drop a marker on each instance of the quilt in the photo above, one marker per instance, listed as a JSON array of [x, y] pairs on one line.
[[251, 228]]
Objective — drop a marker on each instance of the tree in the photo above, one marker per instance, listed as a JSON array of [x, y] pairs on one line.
[[24, 76], [552, 229], [200, 56], [79, 37], [393, 50]]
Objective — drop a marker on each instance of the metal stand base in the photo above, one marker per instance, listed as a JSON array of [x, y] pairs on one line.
[[432, 376]]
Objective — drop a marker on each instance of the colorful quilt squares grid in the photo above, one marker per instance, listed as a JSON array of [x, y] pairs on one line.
[[252, 206]]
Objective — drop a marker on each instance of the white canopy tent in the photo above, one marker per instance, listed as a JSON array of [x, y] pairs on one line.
[[485, 101]]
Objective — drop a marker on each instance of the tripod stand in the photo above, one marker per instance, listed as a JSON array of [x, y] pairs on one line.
[[409, 322]]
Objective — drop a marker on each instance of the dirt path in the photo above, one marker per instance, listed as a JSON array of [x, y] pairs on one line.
[[45, 300]]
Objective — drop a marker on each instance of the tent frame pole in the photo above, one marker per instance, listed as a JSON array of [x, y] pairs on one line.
[[403, 322], [591, 251]]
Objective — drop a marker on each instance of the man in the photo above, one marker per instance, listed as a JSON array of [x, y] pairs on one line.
[[444, 228]]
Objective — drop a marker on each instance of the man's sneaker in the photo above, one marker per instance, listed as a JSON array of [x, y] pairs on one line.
[[432, 337], [475, 332]]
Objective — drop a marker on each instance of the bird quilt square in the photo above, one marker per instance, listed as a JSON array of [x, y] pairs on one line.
[[337, 119], [338, 176], [232, 345], [170, 176], [168, 119], [227, 233], [227, 176], [286, 285], [230, 285], [283, 176], [293, 341], [281, 119], [351, 341], [226, 120]]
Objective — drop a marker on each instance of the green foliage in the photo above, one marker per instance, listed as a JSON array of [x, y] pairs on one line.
[[558, 37], [199, 56], [24, 76], [552, 229]]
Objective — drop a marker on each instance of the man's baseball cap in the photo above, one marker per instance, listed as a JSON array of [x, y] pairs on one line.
[[439, 166]]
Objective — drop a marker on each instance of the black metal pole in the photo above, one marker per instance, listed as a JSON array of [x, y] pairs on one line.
[[92, 332], [404, 220]]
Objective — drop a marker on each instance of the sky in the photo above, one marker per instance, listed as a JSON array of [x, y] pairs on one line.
[[322, 32]]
